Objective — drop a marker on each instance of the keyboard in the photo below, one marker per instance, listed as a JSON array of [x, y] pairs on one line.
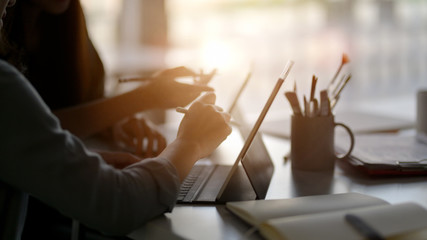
[[194, 182]]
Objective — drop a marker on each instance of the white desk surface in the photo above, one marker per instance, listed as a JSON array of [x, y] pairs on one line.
[[215, 222]]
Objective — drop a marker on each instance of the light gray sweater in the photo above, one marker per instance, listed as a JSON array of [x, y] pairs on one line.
[[38, 157]]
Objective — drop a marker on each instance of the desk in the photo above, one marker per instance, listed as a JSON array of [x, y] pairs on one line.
[[215, 222]]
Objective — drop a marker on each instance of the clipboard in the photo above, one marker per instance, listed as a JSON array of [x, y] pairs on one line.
[[388, 154]]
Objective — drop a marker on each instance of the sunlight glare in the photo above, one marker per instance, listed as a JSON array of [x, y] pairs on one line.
[[217, 54]]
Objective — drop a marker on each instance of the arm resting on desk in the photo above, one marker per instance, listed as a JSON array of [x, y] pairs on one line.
[[40, 158]]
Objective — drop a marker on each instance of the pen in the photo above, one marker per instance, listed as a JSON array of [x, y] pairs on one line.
[[204, 78], [181, 110], [184, 111], [363, 227]]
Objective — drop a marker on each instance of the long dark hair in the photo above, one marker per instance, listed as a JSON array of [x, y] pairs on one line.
[[66, 69]]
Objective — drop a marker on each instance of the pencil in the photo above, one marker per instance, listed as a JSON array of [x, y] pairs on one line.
[[363, 227], [202, 78], [135, 79]]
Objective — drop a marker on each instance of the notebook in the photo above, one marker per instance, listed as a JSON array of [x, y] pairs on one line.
[[335, 216], [247, 179]]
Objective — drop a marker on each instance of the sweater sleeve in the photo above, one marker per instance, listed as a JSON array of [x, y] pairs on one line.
[[39, 157]]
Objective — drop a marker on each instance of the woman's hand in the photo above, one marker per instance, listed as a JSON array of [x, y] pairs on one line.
[[139, 136], [177, 72], [164, 91], [205, 125], [119, 159], [201, 131]]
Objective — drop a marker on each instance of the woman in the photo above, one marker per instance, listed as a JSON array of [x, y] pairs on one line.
[[63, 65], [38, 157], [57, 56]]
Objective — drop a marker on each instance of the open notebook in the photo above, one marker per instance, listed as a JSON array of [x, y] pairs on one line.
[[326, 217]]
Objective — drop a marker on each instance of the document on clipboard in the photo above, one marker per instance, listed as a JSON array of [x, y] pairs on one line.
[[389, 154]]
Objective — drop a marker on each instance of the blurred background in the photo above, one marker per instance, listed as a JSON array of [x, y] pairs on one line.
[[386, 41]]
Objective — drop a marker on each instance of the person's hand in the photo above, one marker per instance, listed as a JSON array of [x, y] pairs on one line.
[[139, 136], [202, 129], [176, 72], [173, 73], [164, 91], [205, 125], [119, 159]]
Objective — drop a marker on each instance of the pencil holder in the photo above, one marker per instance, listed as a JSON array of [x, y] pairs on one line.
[[312, 143]]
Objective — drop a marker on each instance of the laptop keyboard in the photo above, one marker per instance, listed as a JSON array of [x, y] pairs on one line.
[[192, 184]]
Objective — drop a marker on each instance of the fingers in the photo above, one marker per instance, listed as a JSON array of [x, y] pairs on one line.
[[149, 136], [205, 125], [161, 143], [218, 108], [202, 88], [153, 142], [141, 138], [182, 71], [226, 116], [139, 135], [122, 134], [204, 79], [176, 72], [207, 98], [184, 94]]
